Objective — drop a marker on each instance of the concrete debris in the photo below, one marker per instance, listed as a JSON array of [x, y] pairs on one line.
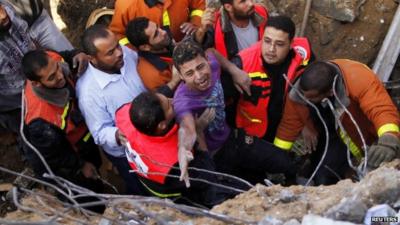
[[379, 186], [292, 222], [342, 10], [268, 220], [317, 220], [286, 196], [349, 210]]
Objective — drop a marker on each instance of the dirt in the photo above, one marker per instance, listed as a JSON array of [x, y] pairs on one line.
[[75, 13]]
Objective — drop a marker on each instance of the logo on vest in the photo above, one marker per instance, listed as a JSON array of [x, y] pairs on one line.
[[301, 50], [134, 157]]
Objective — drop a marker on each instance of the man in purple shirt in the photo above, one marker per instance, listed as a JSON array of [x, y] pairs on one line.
[[201, 90]]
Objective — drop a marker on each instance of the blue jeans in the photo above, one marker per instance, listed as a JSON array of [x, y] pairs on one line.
[[46, 34], [132, 183]]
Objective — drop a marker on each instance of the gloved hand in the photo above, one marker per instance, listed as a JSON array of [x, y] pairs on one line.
[[387, 148]]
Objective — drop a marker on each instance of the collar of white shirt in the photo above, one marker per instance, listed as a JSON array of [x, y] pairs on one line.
[[103, 78]]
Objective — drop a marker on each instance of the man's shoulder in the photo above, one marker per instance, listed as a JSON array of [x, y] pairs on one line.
[[86, 84], [126, 4]]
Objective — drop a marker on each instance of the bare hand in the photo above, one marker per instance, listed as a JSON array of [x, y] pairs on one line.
[[205, 118], [88, 170], [81, 61], [208, 18], [184, 157], [310, 139], [242, 81], [175, 75], [120, 138], [188, 28]]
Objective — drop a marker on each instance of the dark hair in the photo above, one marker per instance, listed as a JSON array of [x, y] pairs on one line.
[[32, 62], [318, 76], [146, 113], [135, 31], [185, 51], [90, 35], [283, 23], [226, 2]]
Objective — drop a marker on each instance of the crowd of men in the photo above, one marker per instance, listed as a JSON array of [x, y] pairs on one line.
[[174, 91]]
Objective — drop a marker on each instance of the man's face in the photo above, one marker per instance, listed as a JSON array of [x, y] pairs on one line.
[[315, 97], [5, 22], [242, 9], [275, 46], [196, 73], [158, 38], [51, 76], [109, 56]]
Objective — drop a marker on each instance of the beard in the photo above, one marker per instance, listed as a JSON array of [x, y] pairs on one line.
[[243, 15]]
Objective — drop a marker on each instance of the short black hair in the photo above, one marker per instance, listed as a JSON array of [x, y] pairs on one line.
[[283, 23], [226, 2], [135, 31], [90, 35], [146, 113], [32, 62], [185, 51], [318, 76]]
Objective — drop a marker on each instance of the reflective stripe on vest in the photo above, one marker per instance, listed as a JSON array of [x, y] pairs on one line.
[[389, 127], [165, 19], [285, 145], [123, 41], [64, 116], [354, 149], [87, 136], [160, 195], [196, 12]]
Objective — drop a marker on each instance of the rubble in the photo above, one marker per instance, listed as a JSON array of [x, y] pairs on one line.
[[345, 201]]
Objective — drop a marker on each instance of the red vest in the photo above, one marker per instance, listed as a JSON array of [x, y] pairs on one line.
[[219, 36], [148, 154], [38, 108], [253, 118]]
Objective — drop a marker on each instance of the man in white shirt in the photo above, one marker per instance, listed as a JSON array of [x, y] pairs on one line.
[[110, 81]]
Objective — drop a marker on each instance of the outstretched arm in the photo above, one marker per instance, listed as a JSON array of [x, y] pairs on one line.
[[186, 139], [241, 79]]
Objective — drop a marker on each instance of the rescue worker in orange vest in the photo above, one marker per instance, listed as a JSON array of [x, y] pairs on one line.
[[266, 62], [342, 90], [154, 47], [149, 126], [53, 124], [237, 25], [177, 17]]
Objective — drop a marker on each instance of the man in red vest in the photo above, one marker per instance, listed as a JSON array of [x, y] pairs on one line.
[[237, 26], [53, 123], [149, 126], [266, 62]]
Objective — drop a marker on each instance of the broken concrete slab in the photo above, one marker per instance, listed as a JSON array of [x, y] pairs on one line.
[[342, 10]]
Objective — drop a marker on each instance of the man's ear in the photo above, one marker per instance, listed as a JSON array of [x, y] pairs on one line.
[[92, 59], [181, 76], [162, 126], [36, 83], [228, 7], [145, 47]]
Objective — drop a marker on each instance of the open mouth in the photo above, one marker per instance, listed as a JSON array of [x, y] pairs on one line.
[[204, 83]]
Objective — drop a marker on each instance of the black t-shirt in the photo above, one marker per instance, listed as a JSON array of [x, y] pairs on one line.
[[276, 99]]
